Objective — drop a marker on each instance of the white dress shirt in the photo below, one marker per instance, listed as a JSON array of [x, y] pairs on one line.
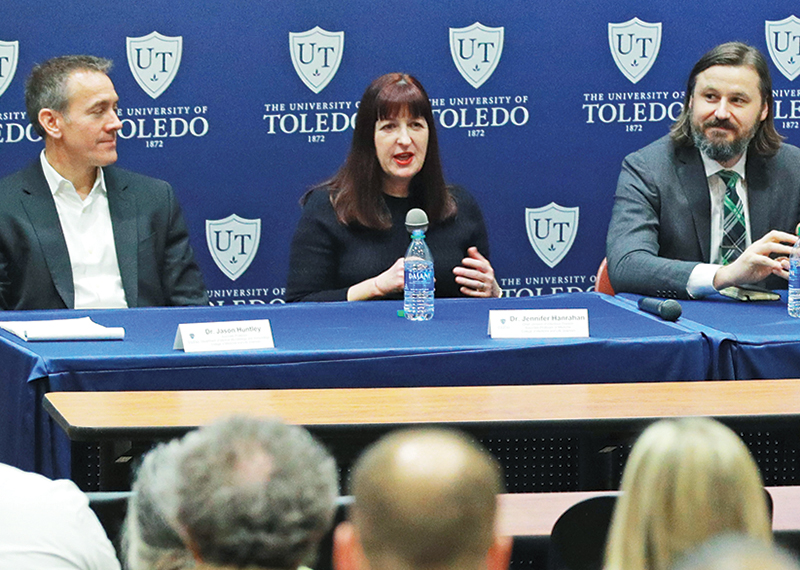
[[701, 280], [86, 225], [49, 524]]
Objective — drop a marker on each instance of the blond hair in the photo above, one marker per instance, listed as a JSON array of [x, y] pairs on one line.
[[738, 552], [685, 481]]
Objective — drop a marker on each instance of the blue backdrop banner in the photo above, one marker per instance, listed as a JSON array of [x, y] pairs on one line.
[[242, 106]]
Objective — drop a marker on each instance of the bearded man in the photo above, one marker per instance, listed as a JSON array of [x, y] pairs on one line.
[[715, 203]]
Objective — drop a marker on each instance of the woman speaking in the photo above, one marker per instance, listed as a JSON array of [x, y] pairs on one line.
[[350, 240]]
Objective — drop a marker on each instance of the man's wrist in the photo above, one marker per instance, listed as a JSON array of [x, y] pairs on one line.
[[721, 278], [701, 280]]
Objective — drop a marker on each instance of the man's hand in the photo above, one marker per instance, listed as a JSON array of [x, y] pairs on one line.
[[755, 263]]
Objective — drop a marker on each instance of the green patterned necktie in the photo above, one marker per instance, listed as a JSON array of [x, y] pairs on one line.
[[734, 232]]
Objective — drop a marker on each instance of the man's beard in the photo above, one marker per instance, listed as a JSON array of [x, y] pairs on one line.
[[722, 151]]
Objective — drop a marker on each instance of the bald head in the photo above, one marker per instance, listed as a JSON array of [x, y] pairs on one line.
[[425, 499]]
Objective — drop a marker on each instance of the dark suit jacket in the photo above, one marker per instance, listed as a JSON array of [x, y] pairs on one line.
[[156, 261], [661, 223]]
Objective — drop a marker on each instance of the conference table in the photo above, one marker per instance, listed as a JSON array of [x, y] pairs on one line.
[[747, 340], [365, 344], [331, 345], [547, 437]]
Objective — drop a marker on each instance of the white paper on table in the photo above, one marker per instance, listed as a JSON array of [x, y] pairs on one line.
[[62, 329]]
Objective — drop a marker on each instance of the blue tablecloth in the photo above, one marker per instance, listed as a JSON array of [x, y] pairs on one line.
[[749, 339], [361, 344]]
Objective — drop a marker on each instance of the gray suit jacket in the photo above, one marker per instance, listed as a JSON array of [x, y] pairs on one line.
[[661, 229], [156, 261]]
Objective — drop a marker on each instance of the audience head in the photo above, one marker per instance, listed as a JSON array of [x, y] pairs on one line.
[[360, 183], [255, 494], [151, 536], [423, 499], [765, 140], [685, 481], [737, 552], [47, 84]]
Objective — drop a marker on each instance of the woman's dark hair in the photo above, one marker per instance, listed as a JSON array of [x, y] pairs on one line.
[[766, 141], [356, 189]]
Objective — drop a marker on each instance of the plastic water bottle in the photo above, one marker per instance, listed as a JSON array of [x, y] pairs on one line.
[[418, 286], [794, 280]]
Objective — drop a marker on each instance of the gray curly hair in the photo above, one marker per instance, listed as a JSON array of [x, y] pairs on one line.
[[150, 535], [255, 493]]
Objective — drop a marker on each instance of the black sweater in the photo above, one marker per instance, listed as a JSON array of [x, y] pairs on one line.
[[328, 257]]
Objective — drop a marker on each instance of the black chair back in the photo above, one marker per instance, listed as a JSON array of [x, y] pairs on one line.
[[578, 538]]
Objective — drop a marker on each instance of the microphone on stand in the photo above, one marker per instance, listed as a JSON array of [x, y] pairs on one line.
[[667, 309], [416, 219]]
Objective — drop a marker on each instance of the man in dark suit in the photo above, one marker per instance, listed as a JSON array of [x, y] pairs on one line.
[[76, 232], [715, 203]]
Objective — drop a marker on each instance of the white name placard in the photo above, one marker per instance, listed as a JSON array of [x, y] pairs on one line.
[[224, 336], [539, 323]]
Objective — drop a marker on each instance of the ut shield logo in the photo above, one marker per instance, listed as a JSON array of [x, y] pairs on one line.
[[783, 43], [154, 61], [233, 243], [316, 55], [551, 231], [9, 55], [476, 51], [634, 46]]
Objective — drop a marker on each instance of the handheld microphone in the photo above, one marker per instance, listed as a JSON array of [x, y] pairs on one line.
[[668, 309], [416, 219]]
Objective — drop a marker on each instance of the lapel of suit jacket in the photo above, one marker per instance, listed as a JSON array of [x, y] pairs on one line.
[[37, 200], [122, 205], [693, 181], [759, 201]]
